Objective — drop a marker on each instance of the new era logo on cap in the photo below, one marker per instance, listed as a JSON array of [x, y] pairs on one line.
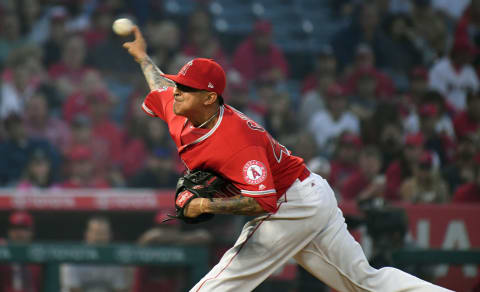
[[201, 73]]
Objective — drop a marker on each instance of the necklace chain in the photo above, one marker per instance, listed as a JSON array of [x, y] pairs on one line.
[[209, 119]]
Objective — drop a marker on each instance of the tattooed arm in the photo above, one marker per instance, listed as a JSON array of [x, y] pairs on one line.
[[138, 49], [152, 74], [237, 205]]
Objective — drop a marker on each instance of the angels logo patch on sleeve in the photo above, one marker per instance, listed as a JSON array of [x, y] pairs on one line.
[[254, 172]]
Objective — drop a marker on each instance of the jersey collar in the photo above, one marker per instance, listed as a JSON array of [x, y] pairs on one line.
[[209, 133]]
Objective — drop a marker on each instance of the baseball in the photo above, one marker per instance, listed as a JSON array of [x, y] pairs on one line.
[[122, 26]]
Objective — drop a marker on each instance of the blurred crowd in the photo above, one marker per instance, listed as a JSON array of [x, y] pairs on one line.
[[390, 107], [85, 277]]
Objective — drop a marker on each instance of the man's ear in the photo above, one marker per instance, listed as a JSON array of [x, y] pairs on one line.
[[211, 98]]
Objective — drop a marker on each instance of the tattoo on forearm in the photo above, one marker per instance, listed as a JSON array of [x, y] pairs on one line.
[[238, 205], [152, 74]]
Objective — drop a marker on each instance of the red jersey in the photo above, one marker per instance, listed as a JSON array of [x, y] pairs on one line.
[[354, 185], [464, 125], [467, 193], [394, 181], [236, 148]]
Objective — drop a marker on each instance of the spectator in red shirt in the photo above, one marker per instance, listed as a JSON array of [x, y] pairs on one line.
[[201, 41], [20, 277], [367, 182], [101, 26], [344, 164], [325, 64], [364, 63], [468, 121], [81, 174], [77, 102], [103, 128], [257, 57], [470, 192], [403, 168], [82, 135]]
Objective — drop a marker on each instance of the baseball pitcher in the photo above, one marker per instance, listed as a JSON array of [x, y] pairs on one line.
[[297, 213]]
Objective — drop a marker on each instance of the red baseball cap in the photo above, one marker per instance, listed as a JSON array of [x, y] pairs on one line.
[[463, 46], [263, 27], [428, 110], [351, 139], [414, 139], [426, 158], [20, 219], [201, 73], [335, 90], [80, 153], [419, 72]]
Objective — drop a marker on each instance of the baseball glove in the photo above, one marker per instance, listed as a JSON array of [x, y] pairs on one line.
[[196, 184]]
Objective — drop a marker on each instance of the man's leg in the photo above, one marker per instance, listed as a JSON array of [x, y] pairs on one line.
[[266, 243], [337, 259], [250, 261]]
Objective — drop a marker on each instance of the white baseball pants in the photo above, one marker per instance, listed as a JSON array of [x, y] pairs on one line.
[[310, 227]]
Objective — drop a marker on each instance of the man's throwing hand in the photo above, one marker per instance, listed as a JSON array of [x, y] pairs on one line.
[[138, 47]]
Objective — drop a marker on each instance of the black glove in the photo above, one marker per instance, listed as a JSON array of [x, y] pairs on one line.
[[196, 184]]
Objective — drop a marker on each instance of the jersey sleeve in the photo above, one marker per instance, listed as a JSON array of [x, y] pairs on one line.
[[157, 101], [249, 171]]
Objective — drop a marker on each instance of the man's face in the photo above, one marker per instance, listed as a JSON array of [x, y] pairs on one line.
[[370, 164], [413, 152], [337, 105], [327, 64], [428, 124], [348, 153], [187, 101], [366, 87], [20, 234], [418, 86], [82, 168], [262, 42], [17, 131], [37, 109], [98, 232], [74, 52]]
